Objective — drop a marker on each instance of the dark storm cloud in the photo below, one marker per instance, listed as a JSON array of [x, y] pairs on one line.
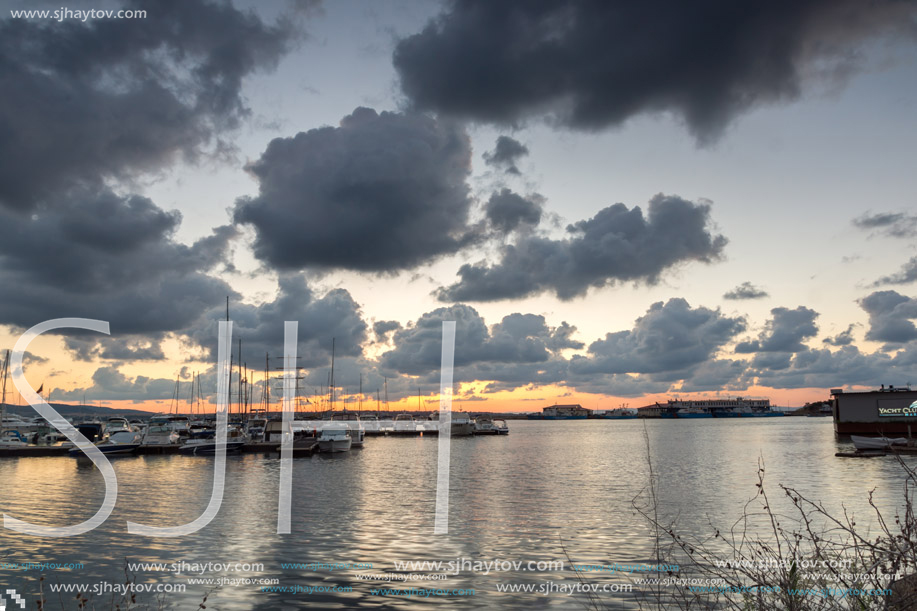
[[616, 245], [506, 211], [616, 384], [593, 64], [844, 338], [331, 316], [891, 317], [110, 384], [823, 368], [746, 290], [892, 224], [381, 192], [382, 328], [106, 98], [784, 332], [518, 339], [95, 254], [906, 275], [119, 348], [505, 154], [670, 337], [716, 375]]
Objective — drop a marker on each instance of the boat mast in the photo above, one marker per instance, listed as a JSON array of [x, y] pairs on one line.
[[191, 396], [5, 370], [331, 382], [360, 408], [385, 386]]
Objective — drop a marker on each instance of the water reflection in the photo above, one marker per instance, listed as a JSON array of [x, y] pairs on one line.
[[548, 491]]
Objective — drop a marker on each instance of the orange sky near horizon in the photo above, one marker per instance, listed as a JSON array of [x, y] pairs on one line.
[[519, 401]]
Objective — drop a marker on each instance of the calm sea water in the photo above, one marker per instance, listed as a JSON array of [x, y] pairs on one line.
[[549, 491]]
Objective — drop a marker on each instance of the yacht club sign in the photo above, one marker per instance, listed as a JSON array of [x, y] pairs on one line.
[[284, 501]]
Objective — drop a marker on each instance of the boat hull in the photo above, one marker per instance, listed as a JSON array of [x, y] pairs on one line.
[[876, 443], [209, 449], [120, 449], [333, 446]]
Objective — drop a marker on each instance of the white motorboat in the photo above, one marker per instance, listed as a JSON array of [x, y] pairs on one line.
[[371, 424], [462, 424], [404, 423], [484, 425], [335, 438], [160, 434], [876, 443], [12, 439], [500, 427], [119, 443], [256, 428], [353, 422]]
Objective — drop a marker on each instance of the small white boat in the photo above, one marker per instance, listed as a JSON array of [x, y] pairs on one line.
[[158, 434], [500, 427], [120, 443], [876, 443], [404, 423], [116, 425], [371, 424], [334, 439], [353, 422], [12, 439]]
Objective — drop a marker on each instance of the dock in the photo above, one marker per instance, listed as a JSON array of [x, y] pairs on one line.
[[154, 450]]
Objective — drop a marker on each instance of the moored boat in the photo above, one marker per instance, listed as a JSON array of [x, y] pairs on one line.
[[876, 443], [334, 439]]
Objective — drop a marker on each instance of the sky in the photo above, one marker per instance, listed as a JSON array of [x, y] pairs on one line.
[[617, 204]]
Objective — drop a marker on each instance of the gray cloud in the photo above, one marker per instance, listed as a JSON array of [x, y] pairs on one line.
[[593, 64], [382, 328], [892, 224], [87, 101], [891, 317], [96, 254], [906, 275], [110, 384], [746, 290], [517, 338], [825, 369], [716, 375], [616, 245], [121, 348], [784, 332], [520, 351], [844, 338], [380, 192], [670, 337], [506, 211], [333, 315], [505, 154]]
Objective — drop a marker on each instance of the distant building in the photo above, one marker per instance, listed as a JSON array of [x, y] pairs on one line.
[[715, 407], [886, 410], [565, 412]]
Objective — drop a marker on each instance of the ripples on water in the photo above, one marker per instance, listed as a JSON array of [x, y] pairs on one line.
[[546, 487]]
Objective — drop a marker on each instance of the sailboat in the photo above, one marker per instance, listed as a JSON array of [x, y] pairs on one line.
[[9, 438], [335, 436]]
